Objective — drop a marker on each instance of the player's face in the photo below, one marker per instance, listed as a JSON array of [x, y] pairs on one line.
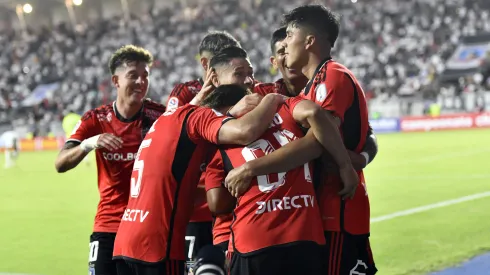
[[239, 72], [132, 82], [279, 63], [295, 51]]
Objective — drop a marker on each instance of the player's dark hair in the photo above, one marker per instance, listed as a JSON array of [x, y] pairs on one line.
[[316, 18], [224, 96], [277, 35], [226, 55], [128, 54], [215, 41]]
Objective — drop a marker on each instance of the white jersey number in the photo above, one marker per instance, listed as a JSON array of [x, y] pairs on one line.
[[139, 166], [268, 183]]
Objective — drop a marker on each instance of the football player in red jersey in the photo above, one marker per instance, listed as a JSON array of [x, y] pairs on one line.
[[311, 33], [115, 131], [269, 218], [150, 239], [201, 223], [210, 45]]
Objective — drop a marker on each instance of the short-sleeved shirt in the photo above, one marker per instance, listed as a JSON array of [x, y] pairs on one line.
[[114, 167], [163, 182], [335, 88]]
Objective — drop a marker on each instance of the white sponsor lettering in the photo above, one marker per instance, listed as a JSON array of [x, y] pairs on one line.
[[437, 123], [286, 203], [482, 120], [276, 121], [119, 156], [132, 215]]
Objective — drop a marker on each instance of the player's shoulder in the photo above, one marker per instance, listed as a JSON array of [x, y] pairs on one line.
[[102, 110], [264, 88], [154, 106], [193, 86], [335, 68]]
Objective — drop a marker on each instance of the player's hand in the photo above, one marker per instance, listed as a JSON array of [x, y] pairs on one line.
[[245, 105], [207, 87], [109, 142], [350, 179], [358, 161], [278, 98], [238, 180]]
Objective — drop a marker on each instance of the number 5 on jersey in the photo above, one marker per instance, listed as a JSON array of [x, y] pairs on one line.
[[139, 166]]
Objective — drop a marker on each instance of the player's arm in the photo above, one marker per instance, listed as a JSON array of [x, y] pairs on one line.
[[325, 128], [370, 148], [84, 139], [220, 201], [249, 127]]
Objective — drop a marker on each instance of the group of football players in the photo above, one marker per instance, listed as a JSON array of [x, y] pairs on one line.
[[269, 172]]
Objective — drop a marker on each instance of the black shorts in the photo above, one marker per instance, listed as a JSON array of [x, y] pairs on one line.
[[292, 259], [346, 254], [169, 267], [100, 256], [198, 235], [224, 246]]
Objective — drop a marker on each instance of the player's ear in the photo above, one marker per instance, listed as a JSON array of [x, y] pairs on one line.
[[204, 63], [273, 62], [115, 81], [215, 80], [309, 41]]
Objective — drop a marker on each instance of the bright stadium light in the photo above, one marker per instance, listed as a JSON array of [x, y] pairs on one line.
[[353, 1], [27, 8], [77, 2]]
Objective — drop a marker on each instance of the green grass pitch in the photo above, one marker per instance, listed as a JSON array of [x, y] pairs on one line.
[[46, 218]]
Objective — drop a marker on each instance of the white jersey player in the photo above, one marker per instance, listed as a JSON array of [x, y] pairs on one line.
[[9, 140]]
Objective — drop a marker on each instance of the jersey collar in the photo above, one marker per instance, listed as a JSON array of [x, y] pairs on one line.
[[320, 66], [127, 120]]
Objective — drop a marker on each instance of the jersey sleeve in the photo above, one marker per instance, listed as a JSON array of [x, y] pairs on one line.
[[179, 96], [215, 173], [205, 123], [292, 102], [336, 94], [264, 89], [86, 127]]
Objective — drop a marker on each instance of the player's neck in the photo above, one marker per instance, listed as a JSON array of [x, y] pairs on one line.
[[313, 62], [294, 87], [126, 110]]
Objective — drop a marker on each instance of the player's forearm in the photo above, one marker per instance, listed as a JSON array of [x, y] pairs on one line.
[[288, 157], [371, 146], [69, 158], [254, 123], [327, 133]]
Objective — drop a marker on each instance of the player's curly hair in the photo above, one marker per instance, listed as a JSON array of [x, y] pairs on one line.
[[278, 35], [226, 55], [224, 96], [216, 41], [318, 19], [127, 54]]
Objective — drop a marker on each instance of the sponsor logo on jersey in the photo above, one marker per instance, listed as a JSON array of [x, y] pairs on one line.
[[173, 103], [286, 203], [134, 215], [321, 93], [119, 156]]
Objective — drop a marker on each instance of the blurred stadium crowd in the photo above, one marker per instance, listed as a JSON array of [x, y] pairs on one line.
[[396, 48]]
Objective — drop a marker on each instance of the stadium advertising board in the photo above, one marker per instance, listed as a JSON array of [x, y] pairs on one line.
[[445, 122], [385, 125]]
